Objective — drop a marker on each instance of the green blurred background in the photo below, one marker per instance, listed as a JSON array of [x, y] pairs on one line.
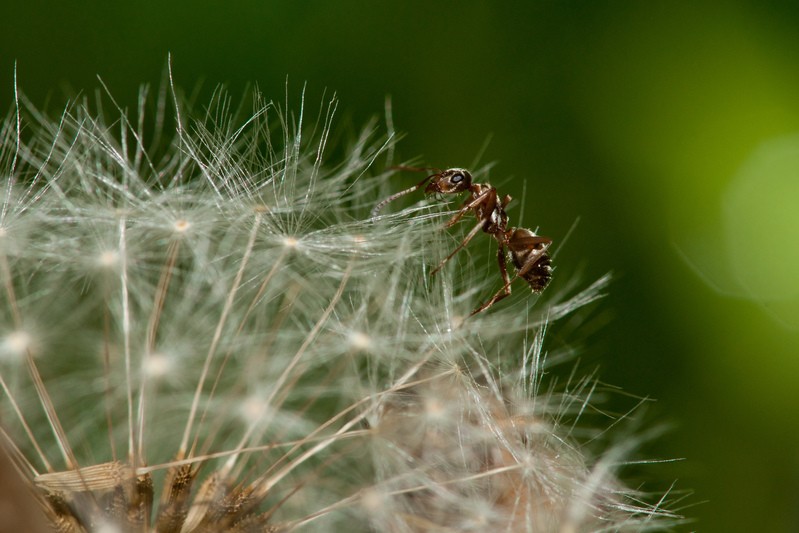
[[670, 129]]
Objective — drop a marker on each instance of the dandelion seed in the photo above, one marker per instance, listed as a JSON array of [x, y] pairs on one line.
[[456, 321], [159, 365], [16, 344], [434, 409], [106, 527], [182, 226], [359, 340], [253, 408], [374, 500], [108, 259]]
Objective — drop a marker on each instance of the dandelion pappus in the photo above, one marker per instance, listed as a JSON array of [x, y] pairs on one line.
[[528, 251]]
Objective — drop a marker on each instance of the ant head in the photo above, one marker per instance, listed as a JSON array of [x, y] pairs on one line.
[[450, 181]]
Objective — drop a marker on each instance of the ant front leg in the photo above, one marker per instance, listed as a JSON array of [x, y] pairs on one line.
[[505, 291], [483, 197], [457, 216], [470, 204]]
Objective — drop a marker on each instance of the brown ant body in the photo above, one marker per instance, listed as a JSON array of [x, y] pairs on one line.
[[528, 251]]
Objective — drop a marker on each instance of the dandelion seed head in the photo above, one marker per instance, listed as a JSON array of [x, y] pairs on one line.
[[283, 367]]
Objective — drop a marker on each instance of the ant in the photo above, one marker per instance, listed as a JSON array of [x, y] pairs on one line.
[[528, 251]]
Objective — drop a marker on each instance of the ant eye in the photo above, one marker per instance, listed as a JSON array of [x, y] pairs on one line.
[[457, 178]]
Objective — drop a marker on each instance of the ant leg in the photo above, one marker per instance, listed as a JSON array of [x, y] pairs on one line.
[[468, 205], [526, 243], [463, 243], [457, 216], [505, 290], [529, 243]]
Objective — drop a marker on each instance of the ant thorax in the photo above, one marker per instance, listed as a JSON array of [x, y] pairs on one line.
[[490, 211]]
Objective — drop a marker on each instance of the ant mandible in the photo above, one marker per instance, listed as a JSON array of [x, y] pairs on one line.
[[528, 251]]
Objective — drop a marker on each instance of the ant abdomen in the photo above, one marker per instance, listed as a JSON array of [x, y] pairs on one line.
[[530, 258], [539, 276]]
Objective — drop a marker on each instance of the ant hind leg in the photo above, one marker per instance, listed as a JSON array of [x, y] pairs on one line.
[[505, 291]]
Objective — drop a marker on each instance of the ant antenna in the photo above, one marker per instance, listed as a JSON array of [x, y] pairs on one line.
[[400, 194]]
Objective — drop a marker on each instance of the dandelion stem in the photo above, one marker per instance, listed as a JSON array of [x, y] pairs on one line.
[[152, 329], [126, 327], [25, 425], [38, 384], [217, 335], [109, 419], [272, 271]]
